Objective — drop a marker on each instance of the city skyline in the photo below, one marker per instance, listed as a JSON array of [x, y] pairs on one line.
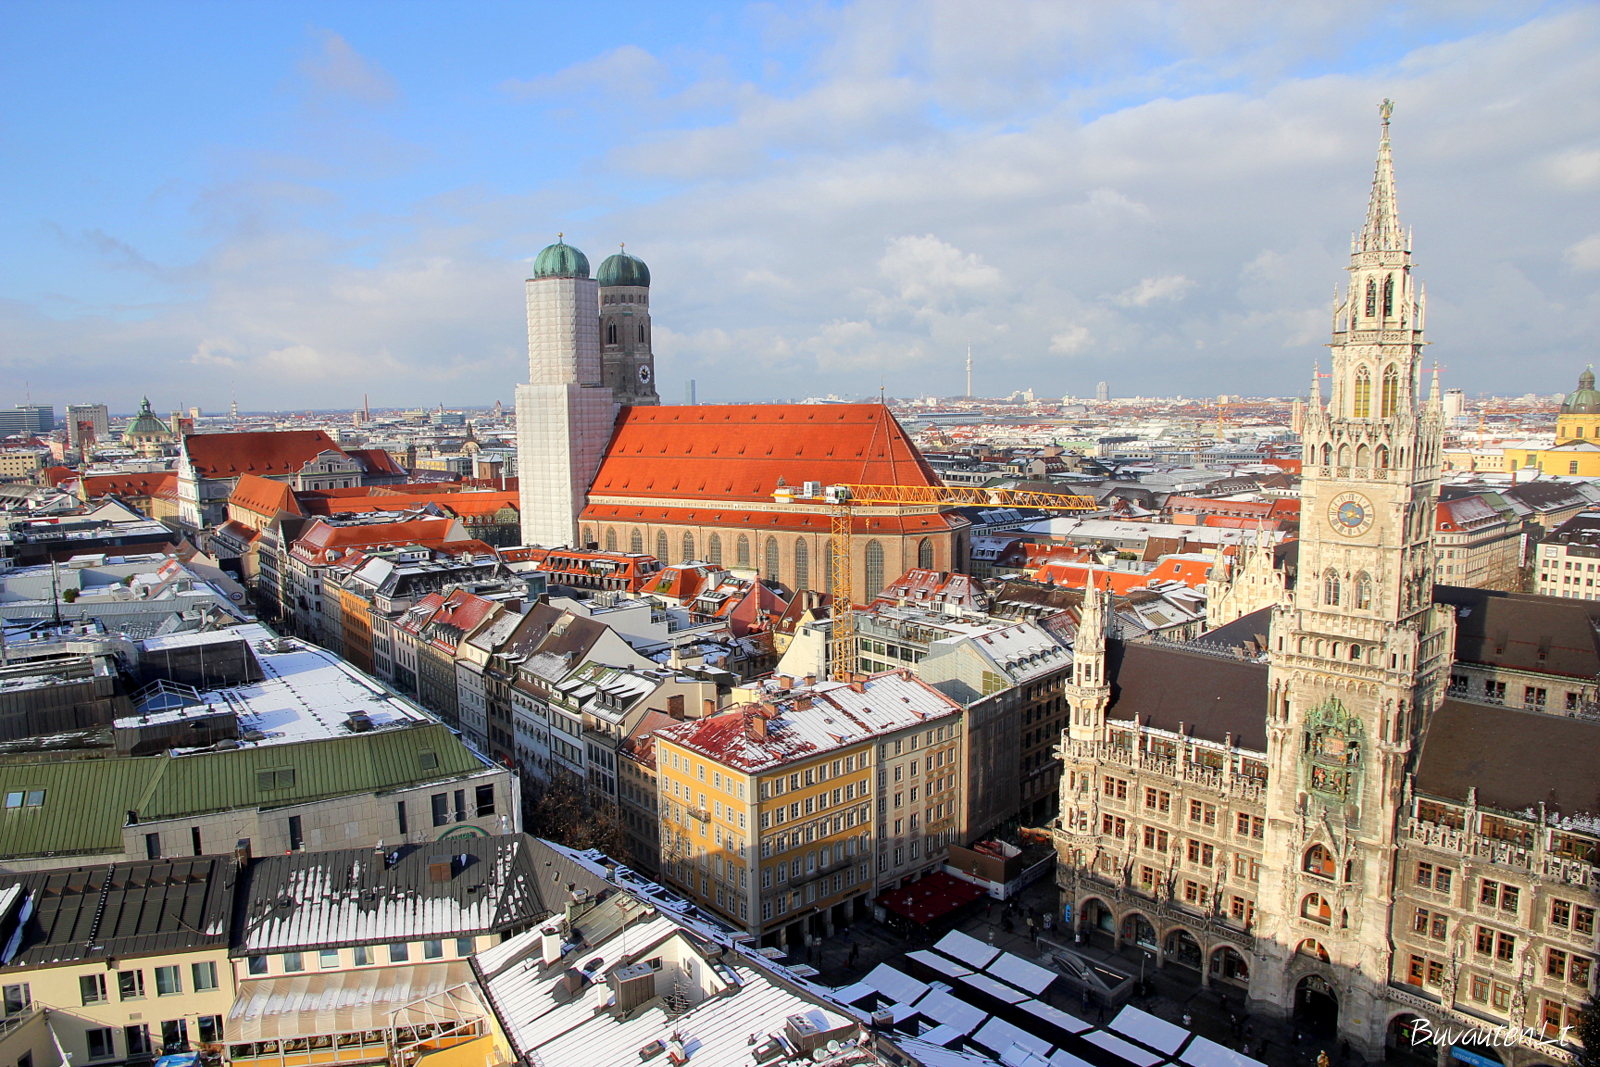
[[306, 204]]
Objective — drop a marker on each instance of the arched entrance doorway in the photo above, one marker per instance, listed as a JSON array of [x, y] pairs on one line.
[[1182, 948], [1098, 917], [1407, 1042], [1229, 965], [1136, 930], [1316, 1008]]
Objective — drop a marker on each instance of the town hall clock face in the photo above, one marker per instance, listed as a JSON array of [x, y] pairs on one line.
[[1350, 514]]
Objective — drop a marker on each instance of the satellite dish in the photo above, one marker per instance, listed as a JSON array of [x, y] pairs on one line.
[[819, 1054], [833, 1046]]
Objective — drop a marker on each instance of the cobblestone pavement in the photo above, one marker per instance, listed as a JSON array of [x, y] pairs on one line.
[[1176, 991]]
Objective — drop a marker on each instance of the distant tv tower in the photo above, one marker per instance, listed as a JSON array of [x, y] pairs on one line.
[[969, 372]]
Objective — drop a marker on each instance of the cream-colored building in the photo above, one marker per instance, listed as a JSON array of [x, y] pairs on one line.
[[126, 961]]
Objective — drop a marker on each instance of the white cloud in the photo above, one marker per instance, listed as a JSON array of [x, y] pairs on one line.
[[1585, 255], [337, 70], [1071, 341], [926, 270], [906, 178], [1149, 290]]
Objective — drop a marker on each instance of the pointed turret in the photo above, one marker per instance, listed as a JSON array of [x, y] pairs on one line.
[[1382, 232], [1090, 691]]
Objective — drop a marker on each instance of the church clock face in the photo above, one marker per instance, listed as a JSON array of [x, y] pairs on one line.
[[644, 375], [1350, 514]]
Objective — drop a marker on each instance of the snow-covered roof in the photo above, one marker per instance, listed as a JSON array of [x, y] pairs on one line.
[[307, 693], [364, 896], [810, 721]]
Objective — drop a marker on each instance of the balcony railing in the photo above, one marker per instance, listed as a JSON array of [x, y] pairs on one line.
[[1502, 853], [1221, 782]]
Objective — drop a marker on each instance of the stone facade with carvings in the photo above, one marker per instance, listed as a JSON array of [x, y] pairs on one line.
[[1323, 824]]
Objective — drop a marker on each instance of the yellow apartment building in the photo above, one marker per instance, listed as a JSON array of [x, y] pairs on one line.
[[772, 812]]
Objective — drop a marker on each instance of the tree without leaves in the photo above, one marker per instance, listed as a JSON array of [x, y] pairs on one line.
[[568, 813]]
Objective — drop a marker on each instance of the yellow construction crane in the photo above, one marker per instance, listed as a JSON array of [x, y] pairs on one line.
[[842, 500]]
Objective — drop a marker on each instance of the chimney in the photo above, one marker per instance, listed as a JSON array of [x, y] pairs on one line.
[[708, 707], [785, 682], [755, 726], [802, 702], [550, 943], [675, 706], [811, 680], [241, 853]]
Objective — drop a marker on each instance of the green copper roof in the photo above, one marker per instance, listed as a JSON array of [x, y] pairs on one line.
[[561, 260], [623, 269], [147, 422], [1585, 400], [87, 801]]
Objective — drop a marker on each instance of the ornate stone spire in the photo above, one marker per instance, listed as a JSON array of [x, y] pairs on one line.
[[1382, 232]]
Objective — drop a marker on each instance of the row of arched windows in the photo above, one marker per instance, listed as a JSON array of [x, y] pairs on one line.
[[1361, 456], [872, 556], [611, 333], [1361, 398], [1388, 297], [1360, 595]]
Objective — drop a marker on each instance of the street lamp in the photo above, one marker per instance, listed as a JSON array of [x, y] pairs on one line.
[[1144, 956]]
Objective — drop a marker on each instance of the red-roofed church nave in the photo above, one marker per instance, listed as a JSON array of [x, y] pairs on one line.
[[601, 462]]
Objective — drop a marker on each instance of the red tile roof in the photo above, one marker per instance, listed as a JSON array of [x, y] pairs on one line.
[[802, 518], [739, 452], [323, 543], [375, 460], [264, 496], [134, 483], [228, 455]]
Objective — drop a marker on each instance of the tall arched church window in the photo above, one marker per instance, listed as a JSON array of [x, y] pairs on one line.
[[588, 535], [741, 551], [1363, 455], [714, 549], [611, 538], [802, 565], [1391, 390], [1372, 298], [636, 540], [661, 546], [874, 573], [1362, 408], [1363, 591], [688, 546], [1327, 455], [1388, 296], [1330, 588], [611, 334], [641, 333], [925, 554], [770, 566], [1381, 457]]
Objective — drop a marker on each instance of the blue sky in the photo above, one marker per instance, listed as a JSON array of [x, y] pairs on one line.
[[305, 202]]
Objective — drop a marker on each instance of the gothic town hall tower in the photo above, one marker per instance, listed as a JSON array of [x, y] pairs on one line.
[[1359, 657]]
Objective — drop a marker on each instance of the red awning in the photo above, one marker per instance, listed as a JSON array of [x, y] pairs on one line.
[[930, 898]]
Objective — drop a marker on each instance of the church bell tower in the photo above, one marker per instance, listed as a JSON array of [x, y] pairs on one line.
[[1359, 657]]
